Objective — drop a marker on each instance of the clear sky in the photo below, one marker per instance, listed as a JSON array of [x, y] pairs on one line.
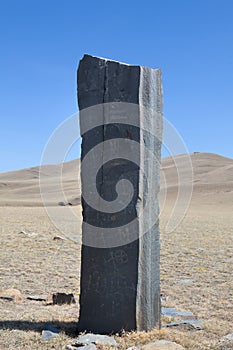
[[43, 40]]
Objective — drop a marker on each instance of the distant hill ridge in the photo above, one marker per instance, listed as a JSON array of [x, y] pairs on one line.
[[212, 174]]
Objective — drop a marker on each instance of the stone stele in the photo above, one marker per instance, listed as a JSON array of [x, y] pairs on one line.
[[120, 106]]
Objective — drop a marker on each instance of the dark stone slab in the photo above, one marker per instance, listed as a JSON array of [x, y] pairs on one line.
[[120, 283], [63, 298]]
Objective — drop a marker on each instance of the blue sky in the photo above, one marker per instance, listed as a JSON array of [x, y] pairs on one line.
[[42, 42]]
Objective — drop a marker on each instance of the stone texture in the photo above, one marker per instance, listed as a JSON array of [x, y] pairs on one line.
[[120, 285], [162, 345]]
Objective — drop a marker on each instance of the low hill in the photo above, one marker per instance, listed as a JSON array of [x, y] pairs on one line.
[[212, 180]]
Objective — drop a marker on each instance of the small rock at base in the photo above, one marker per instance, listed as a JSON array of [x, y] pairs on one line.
[[37, 297], [49, 335], [28, 234], [186, 281], [58, 238], [228, 337], [51, 328], [85, 347], [95, 339], [162, 345]]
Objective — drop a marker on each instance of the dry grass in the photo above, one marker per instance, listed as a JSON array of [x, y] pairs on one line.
[[200, 249]]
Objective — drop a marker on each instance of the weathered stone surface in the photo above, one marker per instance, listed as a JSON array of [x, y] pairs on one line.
[[95, 339], [162, 345], [120, 284]]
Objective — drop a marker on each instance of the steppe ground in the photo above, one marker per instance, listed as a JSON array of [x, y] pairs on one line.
[[200, 249]]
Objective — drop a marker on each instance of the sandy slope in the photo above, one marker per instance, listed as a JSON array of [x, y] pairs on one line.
[[212, 180], [22, 187]]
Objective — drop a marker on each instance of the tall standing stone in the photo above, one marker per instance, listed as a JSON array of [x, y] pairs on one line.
[[120, 285]]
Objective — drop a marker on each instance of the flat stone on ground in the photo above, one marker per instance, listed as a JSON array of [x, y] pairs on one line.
[[95, 339], [51, 328], [162, 345], [49, 334], [85, 347], [227, 338], [196, 324], [168, 311], [37, 297]]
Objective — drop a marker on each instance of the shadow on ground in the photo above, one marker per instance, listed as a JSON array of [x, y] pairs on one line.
[[69, 328]]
